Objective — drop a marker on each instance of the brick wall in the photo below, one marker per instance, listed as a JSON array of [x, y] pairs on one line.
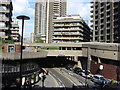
[[5, 47], [17, 48], [109, 71]]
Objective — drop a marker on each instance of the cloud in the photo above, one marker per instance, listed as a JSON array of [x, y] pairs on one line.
[[21, 7], [81, 7], [26, 7], [28, 28]]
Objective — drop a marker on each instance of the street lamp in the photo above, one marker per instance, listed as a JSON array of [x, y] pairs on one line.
[[22, 17]]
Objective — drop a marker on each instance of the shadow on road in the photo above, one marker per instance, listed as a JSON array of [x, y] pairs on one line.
[[62, 88]]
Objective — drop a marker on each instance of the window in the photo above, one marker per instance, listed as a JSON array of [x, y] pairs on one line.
[[108, 37], [95, 38], [2, 24], [96, 33], [101, 31], [101, 37]]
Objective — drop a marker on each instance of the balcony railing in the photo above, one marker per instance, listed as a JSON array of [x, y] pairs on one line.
[[3, 28], [4, 19]]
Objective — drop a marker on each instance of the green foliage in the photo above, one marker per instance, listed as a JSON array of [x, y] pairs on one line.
[[8, 41], [2, 41], [39, 40]]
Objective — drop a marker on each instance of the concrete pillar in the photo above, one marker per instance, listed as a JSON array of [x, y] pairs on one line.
[[88, 59], [78, 62], [76, 58], [99, 61]]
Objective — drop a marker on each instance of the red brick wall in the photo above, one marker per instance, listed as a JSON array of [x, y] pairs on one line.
[[17, 48], [5, 47], [109, 71]]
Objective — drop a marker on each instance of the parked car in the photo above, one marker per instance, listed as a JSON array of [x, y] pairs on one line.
[[77, 70], [87, 74], [69, 67], [99, 79]]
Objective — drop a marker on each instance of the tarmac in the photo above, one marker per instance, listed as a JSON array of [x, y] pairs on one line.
[[51, 84]]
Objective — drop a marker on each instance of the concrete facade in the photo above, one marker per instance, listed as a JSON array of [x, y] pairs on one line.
[[105, 19], [5, 18], [26, 55], [15, 31], [40, 23], [70, 29]]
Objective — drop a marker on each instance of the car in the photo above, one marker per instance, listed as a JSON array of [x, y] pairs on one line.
[[69, 67], [99, 79], [86, 74], [77, 70]]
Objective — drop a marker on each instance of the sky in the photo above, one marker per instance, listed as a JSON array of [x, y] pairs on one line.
[[26, 7]]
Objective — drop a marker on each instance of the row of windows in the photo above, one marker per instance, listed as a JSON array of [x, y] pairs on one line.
[[102, 37]]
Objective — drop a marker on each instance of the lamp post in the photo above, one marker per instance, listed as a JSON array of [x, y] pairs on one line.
[[22, 17]]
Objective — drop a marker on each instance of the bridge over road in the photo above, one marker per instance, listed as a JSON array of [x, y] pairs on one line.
[[26, 55]]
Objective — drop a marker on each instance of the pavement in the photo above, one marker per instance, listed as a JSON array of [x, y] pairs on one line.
[[49, 82], [114, 86]]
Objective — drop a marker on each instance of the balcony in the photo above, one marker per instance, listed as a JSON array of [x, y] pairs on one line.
[[15, 32], [115, 7], [108, 3], [15, 35], [68, 38], [3, 36], [15, 25], [108, 21], [91, 25], [5, 2], [91, 11], [56, 25], [91, 16], [108, 15], [92, 2], [4, 11], [69, 33], [102, 6], [115, 13], [14, 29], [108, 10], [15, 38], [91, 6], [3, 19], [3, 28], [91, 20], [68, 29]]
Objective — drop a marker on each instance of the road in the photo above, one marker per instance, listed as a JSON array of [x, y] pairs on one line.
[[63, 79]]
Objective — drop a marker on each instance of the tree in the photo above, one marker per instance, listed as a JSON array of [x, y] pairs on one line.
[[39, 40], [2, 41]]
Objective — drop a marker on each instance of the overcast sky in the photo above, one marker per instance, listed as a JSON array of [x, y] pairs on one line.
[[26, 7]]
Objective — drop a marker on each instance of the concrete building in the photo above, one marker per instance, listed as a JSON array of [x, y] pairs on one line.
[[5, 18], [45, 12], [70, 29], [15, 31], [32, 37], [105, 19], [40, 17]]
